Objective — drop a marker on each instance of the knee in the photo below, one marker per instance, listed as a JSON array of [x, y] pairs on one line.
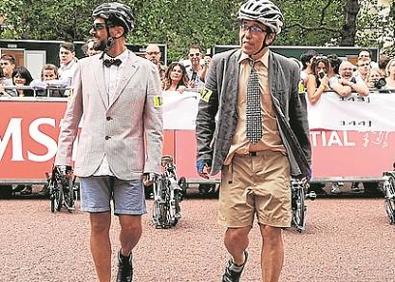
[[271, 234], [235, 236], [98, 227]]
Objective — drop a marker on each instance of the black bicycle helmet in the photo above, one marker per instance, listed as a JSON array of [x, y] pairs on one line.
[[115, 13], [263, 11]]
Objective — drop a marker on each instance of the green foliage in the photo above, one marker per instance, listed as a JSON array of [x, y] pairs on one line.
[[180, 23]]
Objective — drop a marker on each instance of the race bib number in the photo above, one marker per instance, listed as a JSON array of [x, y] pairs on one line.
[[158, 101], [205, 94]]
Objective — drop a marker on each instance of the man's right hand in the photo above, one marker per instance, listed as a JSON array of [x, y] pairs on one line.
[[203, 168]]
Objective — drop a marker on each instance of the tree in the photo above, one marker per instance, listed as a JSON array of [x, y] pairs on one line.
[[207, 22]]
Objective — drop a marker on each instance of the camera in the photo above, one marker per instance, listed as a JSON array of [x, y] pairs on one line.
[[321, 74], [380, 83]]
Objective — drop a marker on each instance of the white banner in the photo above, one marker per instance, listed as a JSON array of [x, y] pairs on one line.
[[180, 110], [375, 112]]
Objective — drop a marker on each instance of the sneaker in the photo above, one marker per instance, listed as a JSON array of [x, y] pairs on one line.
[[125, 268], [355, 187], [336, 188], [230, 274], [27, 190]]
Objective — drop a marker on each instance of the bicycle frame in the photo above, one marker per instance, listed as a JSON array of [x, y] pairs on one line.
[[166, 202], [389, 195]]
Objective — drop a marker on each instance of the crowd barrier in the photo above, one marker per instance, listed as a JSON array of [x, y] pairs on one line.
[[351, 138]]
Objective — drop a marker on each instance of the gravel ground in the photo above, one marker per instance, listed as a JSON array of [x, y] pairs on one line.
[[347, 239]]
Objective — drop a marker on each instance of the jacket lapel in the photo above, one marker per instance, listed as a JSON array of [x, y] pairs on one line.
[[99, 76], [127, 71]]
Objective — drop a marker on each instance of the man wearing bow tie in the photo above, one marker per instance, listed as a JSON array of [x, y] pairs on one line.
[[120, 142]]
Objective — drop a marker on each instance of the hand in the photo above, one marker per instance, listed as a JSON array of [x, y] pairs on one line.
[[149, 178], [203, 168], [181, 89], [207, 60]]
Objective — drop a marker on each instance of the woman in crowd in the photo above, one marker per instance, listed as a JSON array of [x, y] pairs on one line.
[[176, 78], [49, 79], [373, 78], [22, 77], [317, 81], [390, 74]]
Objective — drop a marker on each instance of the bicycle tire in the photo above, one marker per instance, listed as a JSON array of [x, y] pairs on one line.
[[69, 199], [59, 197], [390, 200], [298, 207]]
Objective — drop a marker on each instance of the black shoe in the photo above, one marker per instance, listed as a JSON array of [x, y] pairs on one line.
[[125, 268], [231, 275]]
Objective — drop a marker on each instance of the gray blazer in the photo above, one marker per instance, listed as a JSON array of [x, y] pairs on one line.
[[214, 138], [128, 130]]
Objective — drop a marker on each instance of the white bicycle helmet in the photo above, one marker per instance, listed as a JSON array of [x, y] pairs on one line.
[[115, 12], [263, 11]]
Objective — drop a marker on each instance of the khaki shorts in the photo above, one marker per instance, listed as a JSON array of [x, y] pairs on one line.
[[256, 185]]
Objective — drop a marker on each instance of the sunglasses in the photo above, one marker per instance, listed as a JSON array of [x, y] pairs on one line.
[[153, 53], [98, 26], [252, 29], [194, 55]]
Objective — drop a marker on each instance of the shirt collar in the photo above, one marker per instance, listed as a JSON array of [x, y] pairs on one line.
[[264, 59], [123, 56]]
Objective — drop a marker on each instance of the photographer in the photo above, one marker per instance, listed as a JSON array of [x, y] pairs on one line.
[[318, 81], [375, 80]]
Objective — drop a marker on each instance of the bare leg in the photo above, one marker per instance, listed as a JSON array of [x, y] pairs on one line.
[[236, 241], [272, 256], [100, 244], [131, 230]]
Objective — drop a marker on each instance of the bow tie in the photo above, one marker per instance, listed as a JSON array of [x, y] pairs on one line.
[[109, 62]]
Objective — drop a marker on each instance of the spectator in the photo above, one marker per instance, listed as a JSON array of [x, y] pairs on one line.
[[307, 59], [390, 75], [366, 56], [383, 62], [88, 48], [363, 69], [22, 77], [152, 53], [49, 79], [197, 72], [176, 78], [373, 79], [68, 62], [7, 65], [348, 79], [317, 81]]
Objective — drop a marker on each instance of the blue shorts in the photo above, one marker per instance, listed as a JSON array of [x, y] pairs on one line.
[[98, 191]]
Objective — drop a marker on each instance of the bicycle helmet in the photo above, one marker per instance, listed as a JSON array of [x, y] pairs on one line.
[[115, 13], [263, 11]]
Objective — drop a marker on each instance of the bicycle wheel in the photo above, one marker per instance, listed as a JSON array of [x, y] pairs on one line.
[[59, 198], [390, 199], [298, 206], [69, 195], [55, 195]]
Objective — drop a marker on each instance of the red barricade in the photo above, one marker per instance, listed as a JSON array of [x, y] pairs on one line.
[[29, 130]]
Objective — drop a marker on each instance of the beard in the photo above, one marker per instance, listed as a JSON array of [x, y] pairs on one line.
[[155, 61], [100, 45]]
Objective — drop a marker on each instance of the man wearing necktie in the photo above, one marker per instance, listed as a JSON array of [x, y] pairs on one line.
[[252, 127], [116, 104]]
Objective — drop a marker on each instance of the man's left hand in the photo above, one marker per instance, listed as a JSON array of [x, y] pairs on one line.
[[149, 178]]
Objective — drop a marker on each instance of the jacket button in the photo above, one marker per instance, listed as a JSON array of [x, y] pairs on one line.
[[107, 137], [108, 118]]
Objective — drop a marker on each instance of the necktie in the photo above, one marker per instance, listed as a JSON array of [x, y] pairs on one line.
[[253, 112], [109, 62]]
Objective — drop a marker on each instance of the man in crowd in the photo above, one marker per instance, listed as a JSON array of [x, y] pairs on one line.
[[68, 62], [197, 71], [88, 47], [7, 65], [258, 140], [152, 53], [347, 78], [121, 137], [366, 56]]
